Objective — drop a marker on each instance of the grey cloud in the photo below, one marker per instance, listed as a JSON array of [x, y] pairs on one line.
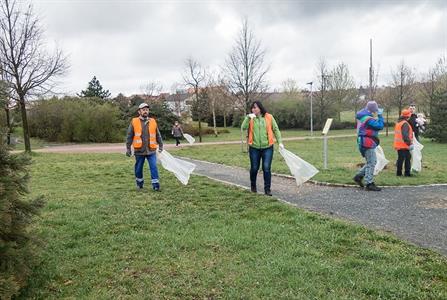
[[127, 43]]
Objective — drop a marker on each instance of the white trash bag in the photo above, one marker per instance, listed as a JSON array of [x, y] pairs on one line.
[[189, 138], [300, 169], [381, 160], [416, 155], [182, 169]]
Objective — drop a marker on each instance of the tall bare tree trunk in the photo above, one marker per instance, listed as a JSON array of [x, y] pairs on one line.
[[26, 136], [199, 114], [214, 117]]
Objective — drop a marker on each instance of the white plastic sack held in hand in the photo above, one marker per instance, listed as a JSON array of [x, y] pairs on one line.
[[189, 138], [181, 169], [416, 155], [300, 169], [381, 160]]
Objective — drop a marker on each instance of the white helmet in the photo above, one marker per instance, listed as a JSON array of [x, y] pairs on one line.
[[143, 105]]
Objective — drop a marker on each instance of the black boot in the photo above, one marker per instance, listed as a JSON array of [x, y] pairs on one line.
[[268, 192], [372, 187], [358, 178], [254, 189]]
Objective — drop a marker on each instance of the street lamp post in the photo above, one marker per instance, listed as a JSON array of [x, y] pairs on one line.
[[311, 110]]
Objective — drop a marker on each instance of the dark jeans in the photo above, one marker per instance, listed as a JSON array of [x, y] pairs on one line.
[[255, 159], [177, 140], [139, 164], [403, 156]]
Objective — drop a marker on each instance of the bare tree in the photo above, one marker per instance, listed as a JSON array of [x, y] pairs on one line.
[[226, 100], [194, 77], [384, 97], [290, 89], [245, 67], [403, 84], [220, 98], [8, 104], [213, 96], [373, 82], [28, 68], [323, 103], [342, 87], [151, 89], [435, 82]]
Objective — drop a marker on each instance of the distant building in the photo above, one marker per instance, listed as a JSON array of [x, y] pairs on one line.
[[179, 102]]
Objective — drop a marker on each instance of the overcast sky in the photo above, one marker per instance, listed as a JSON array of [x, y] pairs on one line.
[[127, 43]]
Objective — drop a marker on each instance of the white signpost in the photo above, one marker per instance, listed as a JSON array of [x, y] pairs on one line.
[[324, 133]]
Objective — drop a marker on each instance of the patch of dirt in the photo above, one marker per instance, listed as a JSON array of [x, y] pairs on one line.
[[436, 203]]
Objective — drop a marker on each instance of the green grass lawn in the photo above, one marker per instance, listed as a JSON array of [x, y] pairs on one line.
[[343, 160], [102, 239]]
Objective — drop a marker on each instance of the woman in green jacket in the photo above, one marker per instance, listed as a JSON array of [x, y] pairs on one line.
[[262, 131]]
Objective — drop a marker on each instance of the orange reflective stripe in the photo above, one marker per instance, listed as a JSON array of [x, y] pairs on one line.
[[269, 127], [137, 130], [250, 131], [152, 134]]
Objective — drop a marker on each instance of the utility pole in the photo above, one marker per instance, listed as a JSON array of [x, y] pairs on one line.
[[311, 110], [370, 71]]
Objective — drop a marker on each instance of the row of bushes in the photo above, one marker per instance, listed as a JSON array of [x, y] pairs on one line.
[[88, 120], [194, 130], [75, 120]]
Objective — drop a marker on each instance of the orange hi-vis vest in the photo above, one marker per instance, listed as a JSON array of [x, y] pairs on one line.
[[138, 133], [268, 127], [399, 143]]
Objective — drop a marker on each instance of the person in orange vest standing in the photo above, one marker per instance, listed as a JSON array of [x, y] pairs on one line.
[[403, 142], [262, 131], [145, 138]]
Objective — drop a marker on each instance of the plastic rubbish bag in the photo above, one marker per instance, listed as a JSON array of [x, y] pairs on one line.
[[381, 160], [416, 155], [300, 169], [182, 169], [189, 138]]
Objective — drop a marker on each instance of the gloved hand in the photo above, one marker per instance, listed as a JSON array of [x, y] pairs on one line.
[[380, 111], [411, 147], [281, 146], [128, 153], [251, 116]]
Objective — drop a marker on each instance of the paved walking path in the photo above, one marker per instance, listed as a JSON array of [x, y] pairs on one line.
[[416, 214], [121, 147]]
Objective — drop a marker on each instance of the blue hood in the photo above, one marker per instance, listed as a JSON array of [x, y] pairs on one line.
[[362, 113]]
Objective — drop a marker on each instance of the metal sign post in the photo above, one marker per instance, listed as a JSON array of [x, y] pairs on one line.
[[324, 133]]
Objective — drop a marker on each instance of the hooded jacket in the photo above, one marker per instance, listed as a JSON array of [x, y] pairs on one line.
[[368, 128]]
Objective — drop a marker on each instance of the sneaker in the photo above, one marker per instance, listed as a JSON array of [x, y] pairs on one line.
[[358, 179], [156, 187], [253, 189], [372, 187], [268, 193], [408, 175]]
